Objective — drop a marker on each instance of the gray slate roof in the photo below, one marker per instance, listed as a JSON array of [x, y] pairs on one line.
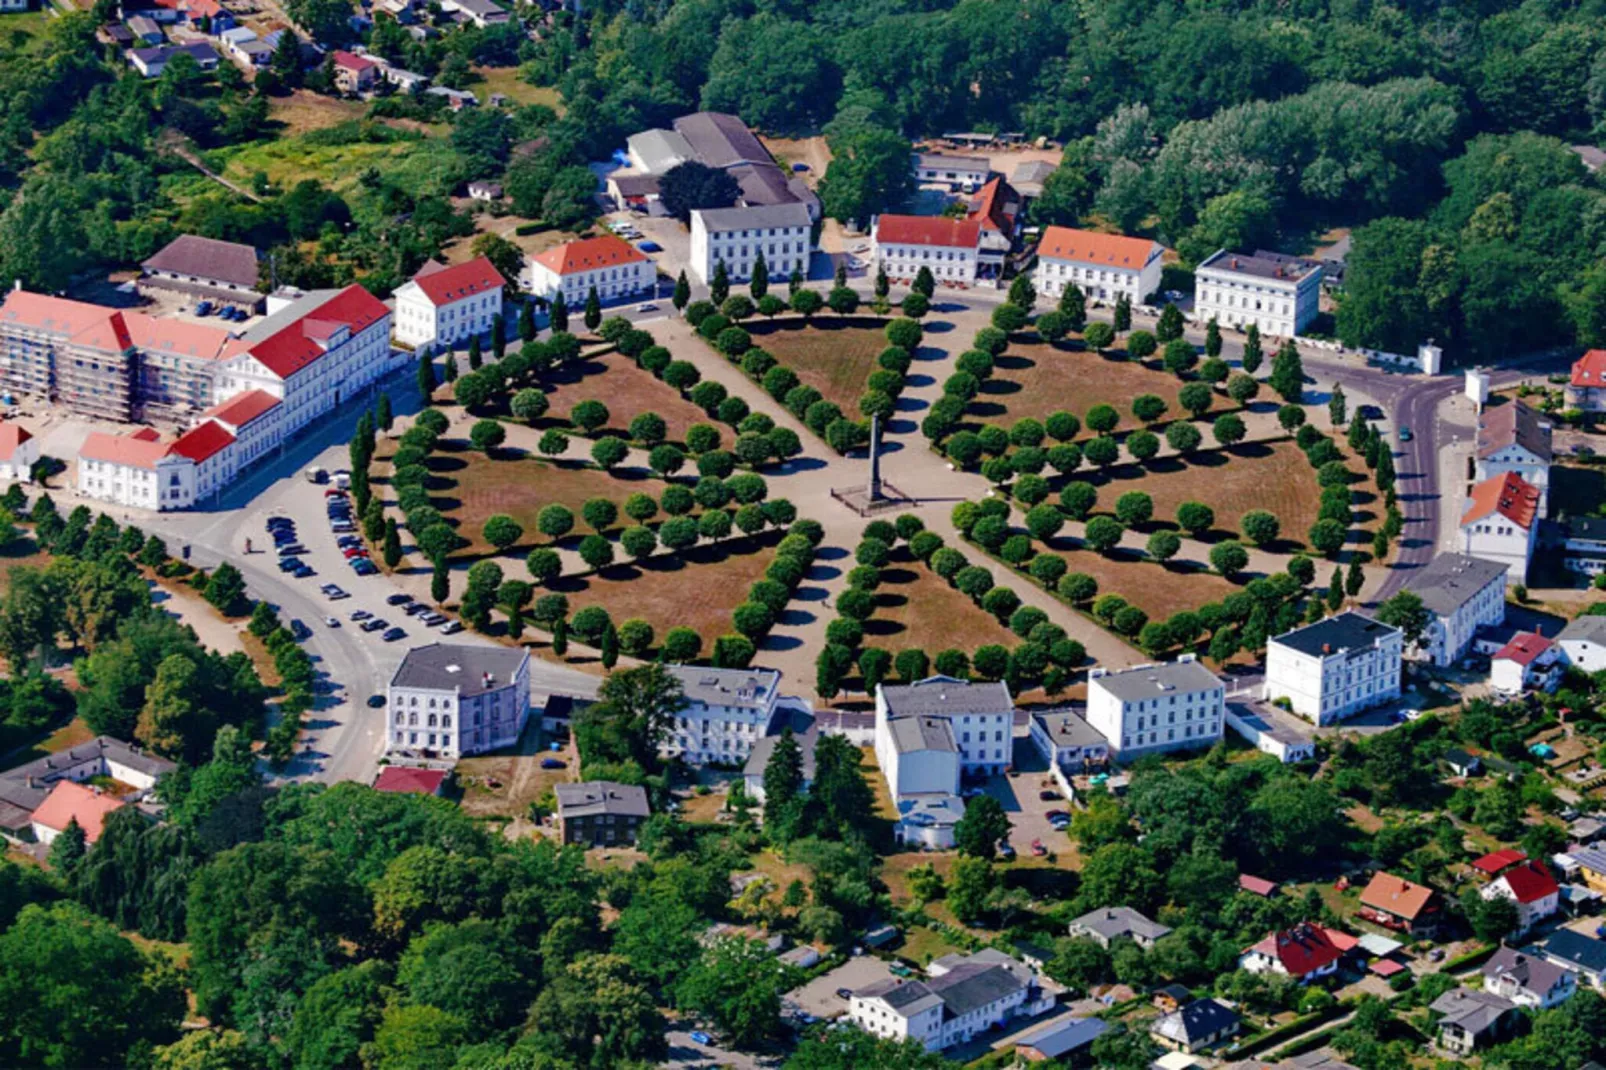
[[660, 150], [1197, 1020], [1574, 947], [207, 258], [1261, 264], [807, 734], [1474, 1010], [1346, 631], [1514, 424], [1153, 681], [972, 986], [946, 696], [601, 797], [1068, 728], [1066, 1035], [745, 688], [1450, 581], [457, 666], [721, 140], [757, 217], [1587, 629], [1532, 973], [922, 733], [1115, 922], [908, 998]]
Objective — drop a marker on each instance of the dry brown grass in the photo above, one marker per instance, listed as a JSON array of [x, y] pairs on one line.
[[915, 608], [504, 784], [626, 389], [833, 355], [303, 110], [1158, 590]]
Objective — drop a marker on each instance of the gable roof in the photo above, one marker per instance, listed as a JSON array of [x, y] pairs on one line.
[[352, 62], [1091, 247], [1450, 581], [1590, 369], [945, 696], [12, 435], [1507, 494], [404, 780], [295, 337], [207, 258], [1256, 885], [590, 254], [454, 283], [1305, 948], [203, 441], [1513, 425], [242, 408], [133, 451], [1496, 861], [70, 800], [1397, 896], [721, 140], [1527, 971], [1525, 649], [1588, 628], [1195, 1021], [1114, 922], [1473, 1010], [1530, 882], [927, 230], [601, 797]]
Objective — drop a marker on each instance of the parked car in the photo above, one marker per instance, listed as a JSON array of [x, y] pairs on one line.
[[360, 614], [393, 634], [553, 763], [451, 627], [376, 701], [364, 567], [416, 609], [373, 624], [650, 247], [291, 549], [354, 551], [305, 572], [334, 592], [300, 631], [433, 618], [1404, 434], [844, 993], [696, 1034], [331, 622], [398, 599], [289, 564], [646, 306], [1048, 795], [1006, 852], [1038, 848]]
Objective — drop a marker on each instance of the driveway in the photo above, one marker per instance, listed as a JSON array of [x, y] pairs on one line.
[[819, 997], [1018, 791]]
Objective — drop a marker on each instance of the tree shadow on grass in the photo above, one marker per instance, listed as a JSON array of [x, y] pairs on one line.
[[998, 387], [1013, 362]]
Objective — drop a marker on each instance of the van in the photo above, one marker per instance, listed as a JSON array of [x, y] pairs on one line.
[[316, 474]]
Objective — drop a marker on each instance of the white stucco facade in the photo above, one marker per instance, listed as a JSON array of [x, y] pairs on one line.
[[1279, 295], [1106, 267], [726, 712], [736, 237], [1335, 668], [1151, 709]]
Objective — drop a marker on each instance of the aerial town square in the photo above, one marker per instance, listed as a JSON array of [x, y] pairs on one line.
[[540, 535]]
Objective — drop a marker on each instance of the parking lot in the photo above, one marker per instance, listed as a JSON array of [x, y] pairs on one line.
[[1019, 793], [819, 997]]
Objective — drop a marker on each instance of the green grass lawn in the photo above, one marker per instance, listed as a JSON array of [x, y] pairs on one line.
[[426, 166], [506, 80]]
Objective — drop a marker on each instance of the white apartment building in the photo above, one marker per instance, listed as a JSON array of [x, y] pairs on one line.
[[1583, 643], [1151, 709], [1278, 294], [612, 265], [1464, 594], [955, 172], [452, 700], [931, 732], [1335, 667], [1501, 523], [19, 451], [961, 997], [1515, 438], [447, 306], [901, 245], [727, 711], [736, 237], [1529, 660], [1583, 546], [1106, 267]]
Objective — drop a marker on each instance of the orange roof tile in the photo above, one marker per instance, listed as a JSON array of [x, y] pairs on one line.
[[135, 451], [1590, 369], [987, 207], [445, 285], [1507, 494], [68, 801], [1091, 247], [12, 435], [928, 230], [573, 257], [351, 62], [1396, 896]]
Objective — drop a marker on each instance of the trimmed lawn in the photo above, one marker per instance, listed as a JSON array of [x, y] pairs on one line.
[[1034, 379], [469, 488], [834, 355], [916, 608], [627, 390], [696, 589], [506, 80]]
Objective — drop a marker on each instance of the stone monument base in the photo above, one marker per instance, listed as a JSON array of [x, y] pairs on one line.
[[860, 500]]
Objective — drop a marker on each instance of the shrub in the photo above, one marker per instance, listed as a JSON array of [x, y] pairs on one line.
[[1103, 534], [1077, 587]]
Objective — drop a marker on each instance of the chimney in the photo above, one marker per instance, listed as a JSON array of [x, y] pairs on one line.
[[1327, 648]]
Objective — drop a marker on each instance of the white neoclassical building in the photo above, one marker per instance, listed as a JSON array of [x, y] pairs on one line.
[[1516, 438], [931, 732], [446, 306], [1335, 667], [1105, 267], [1277, 293], [727, 711], [901, 245], [451, 700], [1151, 709], [614, 267], [736, 237]]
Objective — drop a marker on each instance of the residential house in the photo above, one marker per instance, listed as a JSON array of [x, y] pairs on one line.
[[145, 30], [481, 13], [956, 1001], [204, 15], [1583, 643], [410, 780], [1396, 903], [1278, 294], [1586, 389], [1501, 523], [1529, 660], [69, 802], [1197, 1026], [353, 73], [609, 264], [1335, 667], [1575, 951], [446, 306], [1154, 709], [1068, 742], [1110, 924], [932, 732], [1303, 954], [1528, 980], [25, 788], [1463, 594], [1515, 438], [486, 192], [151, 62], [600, 813], [1531, 887], [1105, 266], [1460, 763], [737, 237], [995, 207], [453, 700], [1471, 1018], [727, 712], [1495, 863], [1591, 866], [956, 172], [1583, 546], [19, 452], [224, 272], [901, 245]]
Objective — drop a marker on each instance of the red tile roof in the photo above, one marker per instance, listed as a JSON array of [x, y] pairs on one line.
[[1590, 369], [12, 435], [445, 285], [241, 409], [1396, 896], [927, 230], [146, 434], [352, 62], [135, 450], [1091, 247], [1524, 648], [1507, 494], [68, 801], [1256, 885], [987, 207], [1495, 861], [297, 345], [1530, 882], [203, 441], [1304, 949], [110, 329], [396, 778], [573, 257]]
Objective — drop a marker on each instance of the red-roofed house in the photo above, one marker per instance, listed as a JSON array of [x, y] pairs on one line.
[[1501, 522], [1396, 903], [354, 74], [1106, 266], [611, 264], [449, 305], [951, 248], [1497, 862], [1302, 953], [18, 452], [1587, 388], [1256, 885], [71, 801], [1529, 660], [403, 780], [1532, 887]]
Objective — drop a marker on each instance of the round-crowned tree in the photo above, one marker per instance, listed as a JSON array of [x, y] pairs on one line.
[[1164, 545], [1077, 587], [1229, 558], [1103, 419], [1102, 534], [1078, 499], [1196, 518]]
